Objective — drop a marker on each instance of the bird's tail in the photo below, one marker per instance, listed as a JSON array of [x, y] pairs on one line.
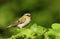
[[9, 26]]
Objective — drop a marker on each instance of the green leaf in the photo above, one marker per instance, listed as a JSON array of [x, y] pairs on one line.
[[55, 31], [56, 26], [38, 29]]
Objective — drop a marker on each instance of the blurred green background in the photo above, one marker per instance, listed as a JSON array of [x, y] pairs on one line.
[[44, 12]]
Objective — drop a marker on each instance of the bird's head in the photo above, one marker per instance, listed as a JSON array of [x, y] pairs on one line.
[[27, 14]]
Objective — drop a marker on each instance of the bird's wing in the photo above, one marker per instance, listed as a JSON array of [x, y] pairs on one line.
[[22, 20]]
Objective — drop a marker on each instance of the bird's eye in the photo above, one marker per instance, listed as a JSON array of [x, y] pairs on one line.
[[28, 15]]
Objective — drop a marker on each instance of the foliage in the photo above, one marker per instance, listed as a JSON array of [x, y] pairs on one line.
[[33, 32], [36, 31], [54, 33]]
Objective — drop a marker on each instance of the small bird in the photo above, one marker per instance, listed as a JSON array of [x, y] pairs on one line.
[[21, 22]]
